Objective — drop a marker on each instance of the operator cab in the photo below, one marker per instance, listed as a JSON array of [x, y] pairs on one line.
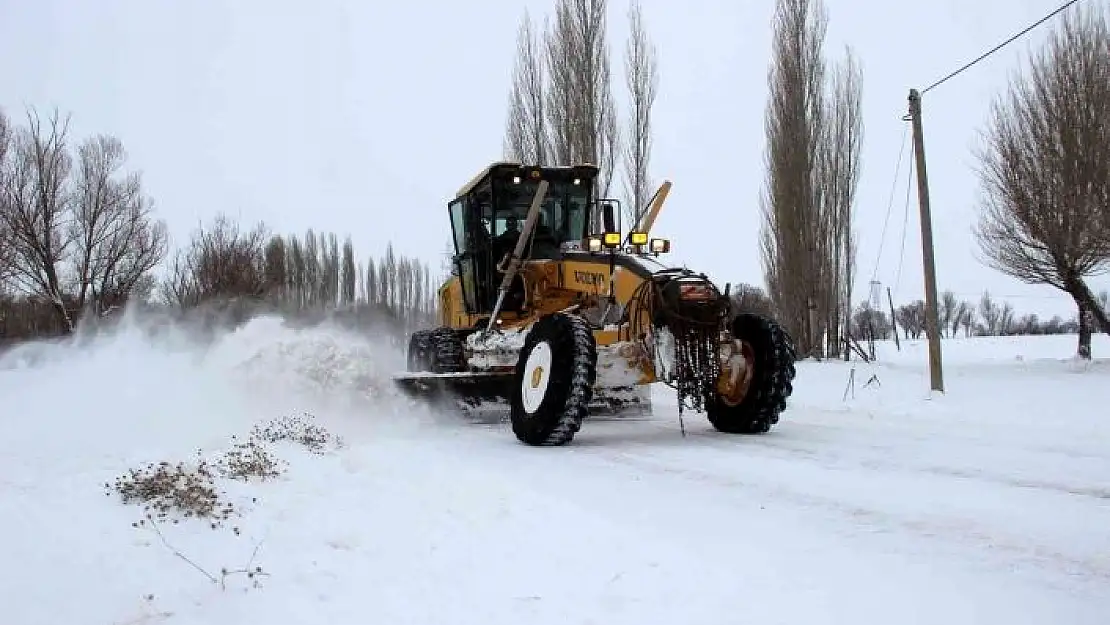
[[488, 213]]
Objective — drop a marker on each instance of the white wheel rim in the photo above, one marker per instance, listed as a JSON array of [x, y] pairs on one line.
[[537, 375]]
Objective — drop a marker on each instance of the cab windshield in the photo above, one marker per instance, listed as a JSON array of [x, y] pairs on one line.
[[562, 216]]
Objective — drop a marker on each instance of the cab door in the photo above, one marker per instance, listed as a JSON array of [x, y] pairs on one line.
[[464, 260]]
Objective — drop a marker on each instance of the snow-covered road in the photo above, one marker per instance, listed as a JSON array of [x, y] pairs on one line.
[[988, 505]]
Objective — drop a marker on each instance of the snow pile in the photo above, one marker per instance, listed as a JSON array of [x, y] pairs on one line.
[[321, 362], [190, 433], [496, 349]]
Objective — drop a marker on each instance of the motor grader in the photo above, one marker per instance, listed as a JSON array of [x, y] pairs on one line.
[[567, 313]]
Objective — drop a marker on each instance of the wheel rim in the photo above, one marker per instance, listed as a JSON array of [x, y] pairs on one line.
[[537, 376], [733, 392]]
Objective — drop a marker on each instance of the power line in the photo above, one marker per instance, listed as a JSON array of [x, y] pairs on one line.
[[890, 203], [905, 227], [1003, 296], [1001, 45]]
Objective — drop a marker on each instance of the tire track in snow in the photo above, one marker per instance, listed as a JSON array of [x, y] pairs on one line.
[[841, 441], [961, 531], [786, 534], [835, 460]]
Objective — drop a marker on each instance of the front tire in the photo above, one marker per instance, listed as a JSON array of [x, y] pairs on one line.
[[439, 350], [771, 385], [554, 380], [418, 357]]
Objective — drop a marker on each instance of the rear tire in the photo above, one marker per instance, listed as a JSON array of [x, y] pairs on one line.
[[554, 380], [772, 381]]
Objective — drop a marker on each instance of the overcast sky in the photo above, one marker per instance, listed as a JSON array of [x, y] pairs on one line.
[[363, 118]]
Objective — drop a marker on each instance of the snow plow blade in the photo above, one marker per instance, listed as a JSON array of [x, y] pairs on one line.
[[493, 391], [468, 387]]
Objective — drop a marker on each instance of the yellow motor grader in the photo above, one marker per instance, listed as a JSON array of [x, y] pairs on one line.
[[555, 311]]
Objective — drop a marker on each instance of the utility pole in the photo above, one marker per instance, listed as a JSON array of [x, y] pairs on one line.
[[932, 316]]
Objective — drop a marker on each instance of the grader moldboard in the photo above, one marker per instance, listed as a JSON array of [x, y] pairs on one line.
[[566, 315]]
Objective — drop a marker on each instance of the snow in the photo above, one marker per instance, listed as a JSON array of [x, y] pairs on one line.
[[617, 365], [874, 503], [498, 348]]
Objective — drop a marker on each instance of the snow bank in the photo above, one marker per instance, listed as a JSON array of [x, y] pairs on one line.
[[75, 414]]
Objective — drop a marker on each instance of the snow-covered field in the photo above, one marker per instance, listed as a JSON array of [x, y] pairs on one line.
[[990, 504]]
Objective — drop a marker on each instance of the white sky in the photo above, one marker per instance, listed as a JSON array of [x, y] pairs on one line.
[[365, 117]]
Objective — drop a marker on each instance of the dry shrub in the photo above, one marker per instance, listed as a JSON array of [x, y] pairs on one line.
[[250, 460], [189, 490], [164, 489], [300, 430]]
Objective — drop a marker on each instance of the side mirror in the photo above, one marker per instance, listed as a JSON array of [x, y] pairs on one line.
[[608, 217]]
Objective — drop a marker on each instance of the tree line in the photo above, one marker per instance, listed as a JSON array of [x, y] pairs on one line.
[[310, 276], [79, 240], [986, 317], [78, 234], [958, 317], [1044, 166], [1044, 169]]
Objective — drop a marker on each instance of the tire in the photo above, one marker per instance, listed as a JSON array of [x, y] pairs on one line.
[[419, 352], [439, 351], [446, 351], [548, 404], [772, 380]]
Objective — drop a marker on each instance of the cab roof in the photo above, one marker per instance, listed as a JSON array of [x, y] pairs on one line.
[[586, 169]]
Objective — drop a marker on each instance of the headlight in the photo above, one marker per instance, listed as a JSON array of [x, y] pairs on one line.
[[660, 246]]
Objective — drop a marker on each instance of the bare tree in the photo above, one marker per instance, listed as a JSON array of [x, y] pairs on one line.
[[912, 318], [373, 289], [116, 240], [814, 128], [333, 270], [580, 109], [349, 274], [748, 298], [868, 322], [387, 276], [1045, 170], [220, 264], [949, 308], [838, 171], [7, 242], [642, 81], [790, 237], [962, 317], [526, 138], [310, 272], [34, 207], [967, 320], [1006, 319], [6, 247], [296, 270], [275, 270], [991, 313]]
